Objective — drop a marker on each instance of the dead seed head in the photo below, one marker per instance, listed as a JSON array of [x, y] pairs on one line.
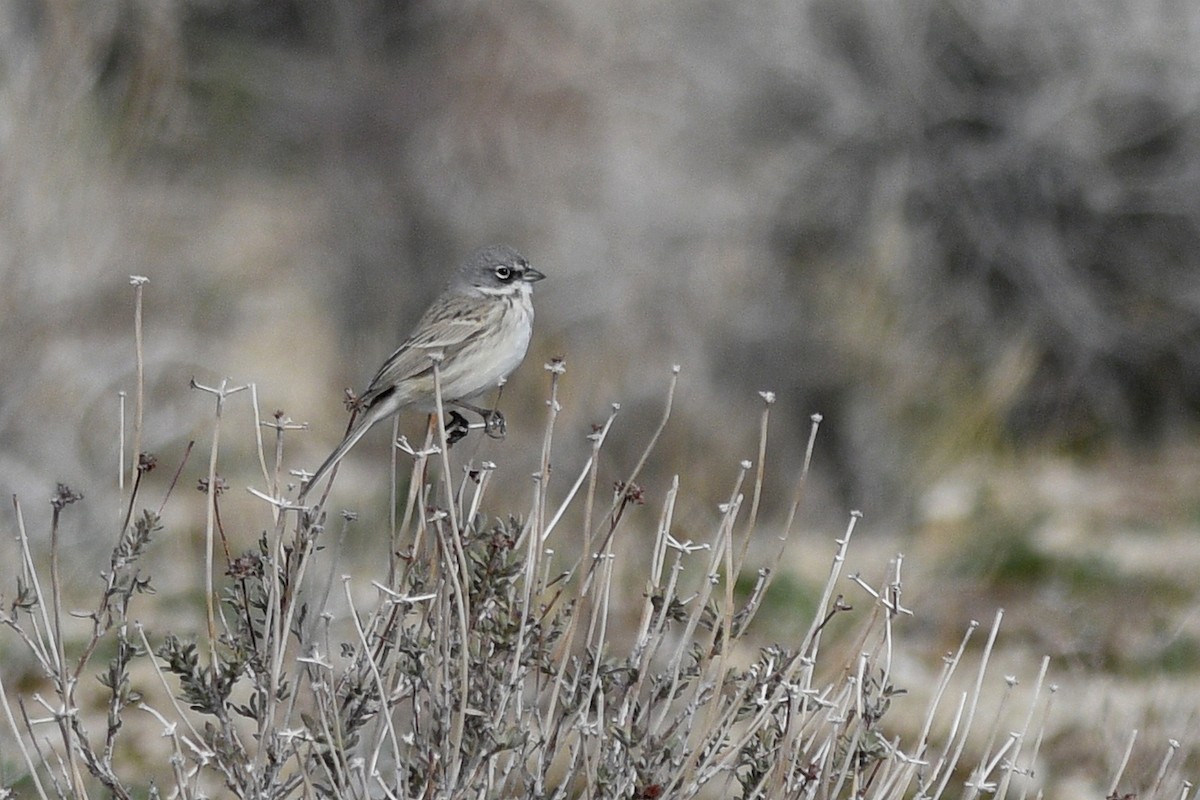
[[64, 496], [220, 484]]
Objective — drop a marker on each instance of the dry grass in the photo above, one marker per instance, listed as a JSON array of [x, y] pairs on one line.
[[487, 659]]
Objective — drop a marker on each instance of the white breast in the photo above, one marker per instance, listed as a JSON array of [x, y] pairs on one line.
[[495, 357]]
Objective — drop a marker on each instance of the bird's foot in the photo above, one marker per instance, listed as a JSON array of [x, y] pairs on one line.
[[456, 428], [494, 424]]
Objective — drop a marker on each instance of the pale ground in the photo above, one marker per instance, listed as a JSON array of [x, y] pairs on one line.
[[1127, 529]]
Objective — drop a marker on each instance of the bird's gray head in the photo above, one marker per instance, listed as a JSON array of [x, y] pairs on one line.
[[497, 269]]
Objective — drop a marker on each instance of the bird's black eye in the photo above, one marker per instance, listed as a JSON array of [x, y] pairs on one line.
[[504, 272]]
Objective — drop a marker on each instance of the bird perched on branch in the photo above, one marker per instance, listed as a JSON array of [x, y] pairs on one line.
[[476, 331]]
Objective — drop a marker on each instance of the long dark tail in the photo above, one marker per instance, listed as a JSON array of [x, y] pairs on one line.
[[355, 433]]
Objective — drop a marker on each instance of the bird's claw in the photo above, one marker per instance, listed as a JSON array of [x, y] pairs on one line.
[[456, 428], [494, 424]]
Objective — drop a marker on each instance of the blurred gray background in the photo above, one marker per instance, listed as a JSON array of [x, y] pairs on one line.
[[967, 233], [955, 228]]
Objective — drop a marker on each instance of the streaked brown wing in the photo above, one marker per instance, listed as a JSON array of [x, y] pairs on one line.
[[448, 326]]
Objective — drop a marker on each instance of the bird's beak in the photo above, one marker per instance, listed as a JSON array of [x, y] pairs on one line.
[[530, 275]]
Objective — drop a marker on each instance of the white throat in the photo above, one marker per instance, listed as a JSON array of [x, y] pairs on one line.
[[523, 288]]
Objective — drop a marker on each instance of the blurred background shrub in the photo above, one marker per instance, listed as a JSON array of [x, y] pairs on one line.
[[953, 227]]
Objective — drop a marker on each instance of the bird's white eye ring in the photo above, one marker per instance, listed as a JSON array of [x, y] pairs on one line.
[[503, 272]]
